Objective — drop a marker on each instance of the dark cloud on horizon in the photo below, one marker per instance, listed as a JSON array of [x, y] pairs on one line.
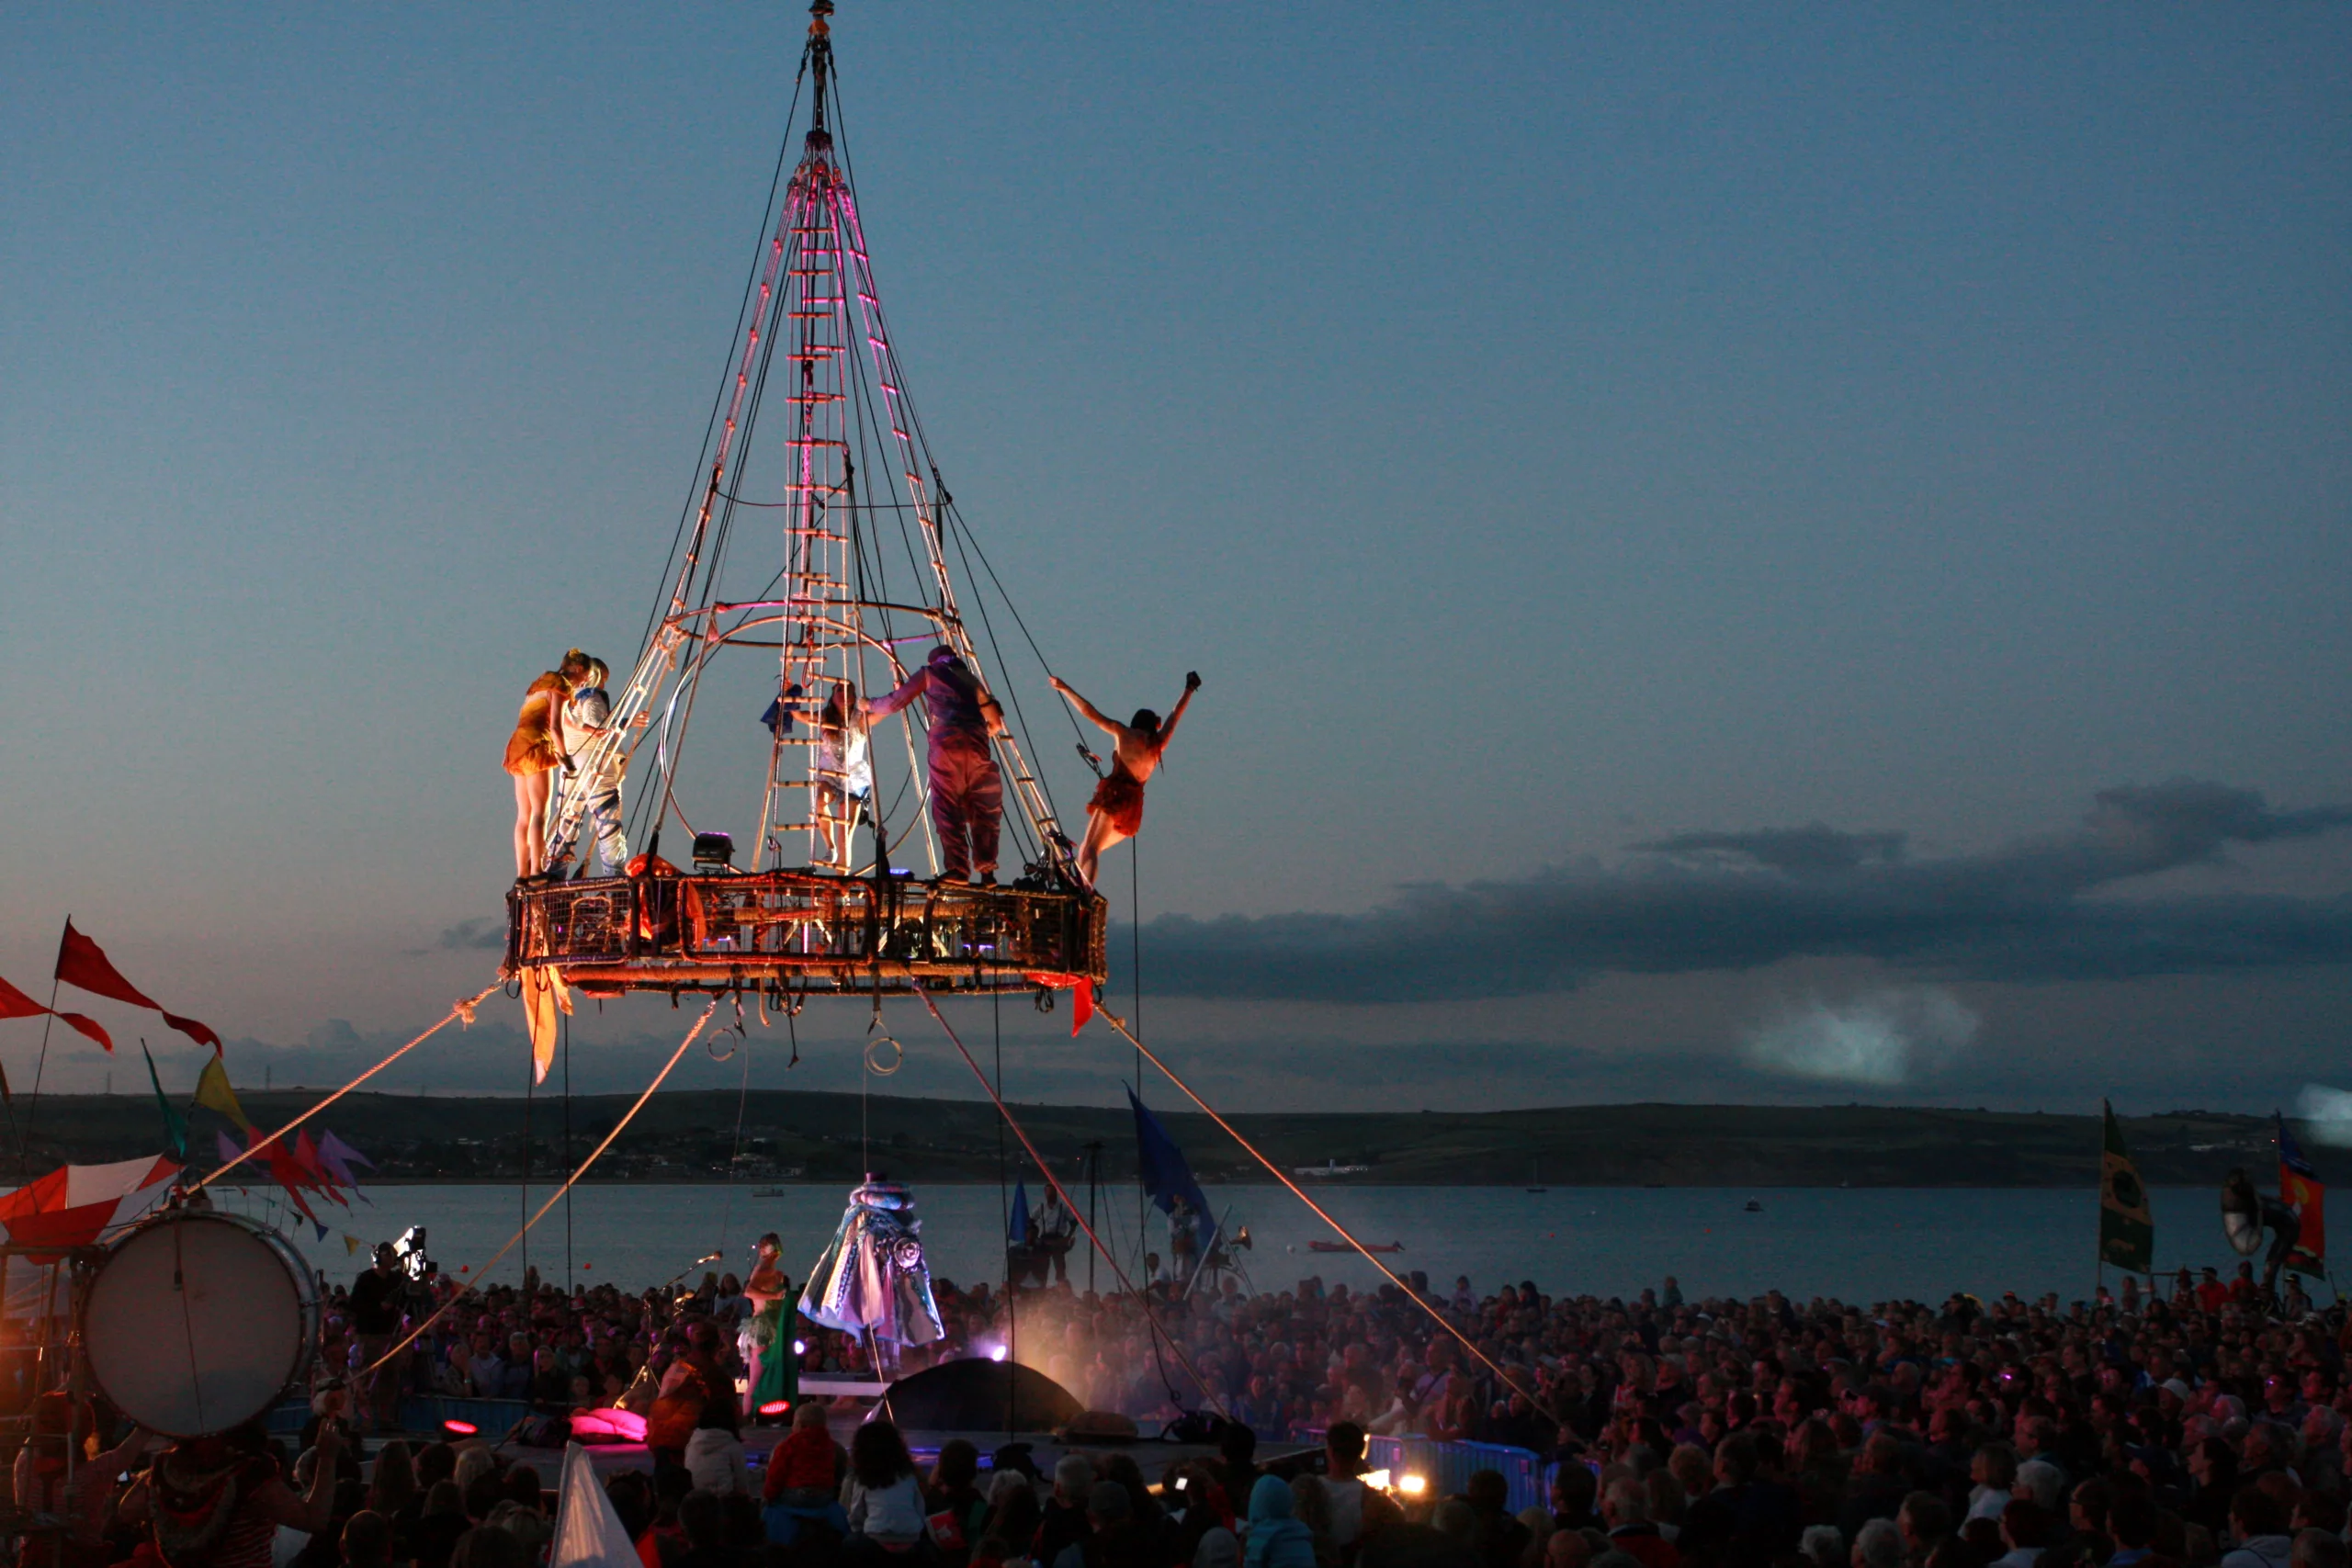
[[1712, 901], [481, 933]]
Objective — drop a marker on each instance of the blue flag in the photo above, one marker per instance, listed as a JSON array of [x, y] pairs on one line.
[[1165, 1174], [1016, 1227]]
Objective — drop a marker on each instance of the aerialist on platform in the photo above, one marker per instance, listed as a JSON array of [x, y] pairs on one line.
[[533, 753], [967, 790], [1116, 811], [585, 717]]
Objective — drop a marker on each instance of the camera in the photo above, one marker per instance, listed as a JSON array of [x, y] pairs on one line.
[[409, 1253]]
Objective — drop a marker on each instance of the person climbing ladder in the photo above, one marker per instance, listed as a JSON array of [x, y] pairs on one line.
[[1115, 813]]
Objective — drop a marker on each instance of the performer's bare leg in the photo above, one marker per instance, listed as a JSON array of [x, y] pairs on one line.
[[1101, 834], [531, 792]]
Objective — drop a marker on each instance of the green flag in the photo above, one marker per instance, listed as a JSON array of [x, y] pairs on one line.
[[174, 1125], [2127, 1233]]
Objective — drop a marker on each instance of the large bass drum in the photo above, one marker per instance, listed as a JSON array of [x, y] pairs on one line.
[[198, 1321]]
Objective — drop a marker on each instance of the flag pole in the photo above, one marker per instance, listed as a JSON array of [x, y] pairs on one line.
[[32, 1114]]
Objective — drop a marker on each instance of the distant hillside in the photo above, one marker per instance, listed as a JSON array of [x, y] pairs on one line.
[[691, 1135]]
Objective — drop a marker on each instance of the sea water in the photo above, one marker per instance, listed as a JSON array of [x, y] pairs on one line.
[[1860, 1244]]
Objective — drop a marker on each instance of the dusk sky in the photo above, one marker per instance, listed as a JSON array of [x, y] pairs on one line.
[[1737, 553]]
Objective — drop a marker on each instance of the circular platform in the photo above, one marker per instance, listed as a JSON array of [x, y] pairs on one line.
[[802, 932]]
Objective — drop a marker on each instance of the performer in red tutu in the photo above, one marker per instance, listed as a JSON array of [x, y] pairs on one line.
[[1116, 814]]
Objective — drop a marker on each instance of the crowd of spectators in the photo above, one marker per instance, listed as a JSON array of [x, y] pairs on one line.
[[2201, 1427]]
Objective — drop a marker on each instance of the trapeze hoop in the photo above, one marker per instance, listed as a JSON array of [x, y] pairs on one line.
[[873, 1056], [711, 1045]]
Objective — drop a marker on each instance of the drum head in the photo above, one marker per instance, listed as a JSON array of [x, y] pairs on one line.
[[197, 1323]]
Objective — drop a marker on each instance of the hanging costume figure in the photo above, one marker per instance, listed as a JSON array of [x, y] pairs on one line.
[[585, 717], [533, 753], [966, 791], [1116, 811], [872, 1278]]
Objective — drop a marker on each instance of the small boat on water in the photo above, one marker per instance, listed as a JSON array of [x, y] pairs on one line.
[[1755, 1207], [1343, 1247]]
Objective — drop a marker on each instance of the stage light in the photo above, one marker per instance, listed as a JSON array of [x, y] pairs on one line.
[[1412, 1485], [456, 1428], [996, 1353], [775, 1407], [1376, 1479], [800, 1347]]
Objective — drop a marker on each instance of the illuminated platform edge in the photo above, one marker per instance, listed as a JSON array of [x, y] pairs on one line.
[[800, 932]]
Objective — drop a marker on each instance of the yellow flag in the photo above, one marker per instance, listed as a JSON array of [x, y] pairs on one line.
[[352, 1244], [212, 1090]]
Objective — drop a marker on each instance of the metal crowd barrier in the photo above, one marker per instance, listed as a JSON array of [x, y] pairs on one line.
[[1448, 1466]]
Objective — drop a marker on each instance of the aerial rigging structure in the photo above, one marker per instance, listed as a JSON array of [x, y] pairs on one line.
[[811, 915]]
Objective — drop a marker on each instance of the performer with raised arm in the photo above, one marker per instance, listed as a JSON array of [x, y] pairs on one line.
[[967, 790], [1115, 813]]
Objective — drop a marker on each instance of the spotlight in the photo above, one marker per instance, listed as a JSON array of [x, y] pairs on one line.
[[996, 1353], [456, 1428], [800, 1347], [1412, 1485], [714, 851], [775, 1407], [1376, 1479]]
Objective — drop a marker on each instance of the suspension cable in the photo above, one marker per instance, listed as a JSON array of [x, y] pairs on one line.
[[464, 1010], [1054, 1182], [553, 1199], [1297, 1192]]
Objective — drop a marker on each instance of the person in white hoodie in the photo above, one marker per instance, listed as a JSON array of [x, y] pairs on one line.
[[2258, 1520]]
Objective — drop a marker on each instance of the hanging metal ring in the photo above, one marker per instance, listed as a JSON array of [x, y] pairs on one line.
[[874, 1055]]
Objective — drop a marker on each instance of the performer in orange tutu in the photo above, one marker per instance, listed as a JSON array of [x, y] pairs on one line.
[[1116, 814], [533, 753]]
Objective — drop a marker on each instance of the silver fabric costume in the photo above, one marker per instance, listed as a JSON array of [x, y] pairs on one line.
[[872, 1278]]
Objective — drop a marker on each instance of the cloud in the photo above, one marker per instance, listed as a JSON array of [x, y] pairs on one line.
[[2326, 1114], [1730, 901], [1882, 1038], [1812, 847], [482, 931]]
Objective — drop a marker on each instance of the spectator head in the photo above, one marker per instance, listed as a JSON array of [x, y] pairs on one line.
[[878, 1455], [2318, 1549], [483, 1492], [809, 1416], [1344, 1449], [1996, 1465], [958, 1464], [2132, 1518], [1073, 1481], [366, 1541], [2040, 1481], [1881, 1455], [1237, 1444], [1454, 1518], [1572, 1490], [1736, 1459], [2255, 1511], [1487, 1491], [1924, 1519], [1625, 1503], [487, 1546], [1878, 1544], [2026, 1524], [1220, 1548], [703, 1516], [1567, 1549], [1663, 1489], [1822, 1546], [523, 1487], [2320, 1510]]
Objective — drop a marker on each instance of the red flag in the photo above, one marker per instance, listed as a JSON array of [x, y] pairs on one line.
[[14, 1003], [84, 965], [306, 1155], [1081, 1006]]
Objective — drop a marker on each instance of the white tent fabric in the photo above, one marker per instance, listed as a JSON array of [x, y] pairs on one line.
[[588, 1533]]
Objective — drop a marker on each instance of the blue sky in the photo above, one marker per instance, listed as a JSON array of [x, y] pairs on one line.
[[1550, 431]]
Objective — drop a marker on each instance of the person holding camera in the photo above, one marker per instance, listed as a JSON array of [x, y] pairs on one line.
[[376, 1297]]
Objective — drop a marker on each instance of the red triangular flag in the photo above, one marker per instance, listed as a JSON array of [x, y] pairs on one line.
[[1081, 1006], [306, 1155], [84, 965], [81, 962], [14, 1003], [89, 1026]]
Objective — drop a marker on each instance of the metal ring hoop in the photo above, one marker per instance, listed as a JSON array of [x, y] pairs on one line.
[[873, 1056]]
